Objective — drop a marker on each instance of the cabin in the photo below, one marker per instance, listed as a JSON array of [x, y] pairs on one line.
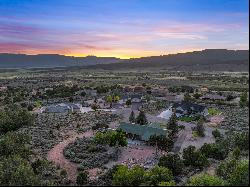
[[141, 132]]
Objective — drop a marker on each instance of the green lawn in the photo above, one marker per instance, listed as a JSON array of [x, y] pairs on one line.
[[187, 118], [213, 111]]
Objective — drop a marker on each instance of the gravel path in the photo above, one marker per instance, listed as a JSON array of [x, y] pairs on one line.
[[56, 154]]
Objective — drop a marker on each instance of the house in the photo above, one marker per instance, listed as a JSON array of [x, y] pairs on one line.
[[214, 97], [203, 89], [75, 107], [58, 108], [3, 88], [128, 89], [159, 92], [139, 89], [136, 103], [62, 108], [188, 108], [170, 96], [124, 99], [117, 105], [48, 89], [34, 92], [184, 109], [141, 132], [90, 92]]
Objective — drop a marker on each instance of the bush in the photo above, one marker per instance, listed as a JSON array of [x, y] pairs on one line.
[[162, 142], [122, 176], [112, 138], [213, 111], [200, 128], [216, 133], [194, 158], [241, 140], [14, 143], [16, 171], [214, 151], [100, 126], [141, 118], [158, 174], [206, 180], [235, 171], [173, 162], [12, 119], [240, 175], [82, 178]]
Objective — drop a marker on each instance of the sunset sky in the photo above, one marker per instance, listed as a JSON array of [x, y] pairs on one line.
[[122, 28]]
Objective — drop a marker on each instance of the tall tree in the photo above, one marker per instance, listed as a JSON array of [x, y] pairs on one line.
[[172, 124], [141, 118], [132, 117], [200, 128]]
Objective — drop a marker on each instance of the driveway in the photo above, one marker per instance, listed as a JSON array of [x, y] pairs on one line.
[[186, 139]]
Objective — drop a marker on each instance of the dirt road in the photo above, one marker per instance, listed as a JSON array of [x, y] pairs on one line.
[[56, 154]]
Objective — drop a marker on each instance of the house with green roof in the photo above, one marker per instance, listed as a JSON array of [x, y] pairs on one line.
[[142, 132]]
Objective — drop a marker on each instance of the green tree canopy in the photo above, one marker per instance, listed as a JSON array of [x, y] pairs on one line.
[[206, 180]]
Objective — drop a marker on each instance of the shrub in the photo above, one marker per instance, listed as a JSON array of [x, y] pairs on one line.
[[141, 118], [12, 119], [206, 180], [16, 171], [240, 175], [216, 133], [158, 174], [213, 111], [15, 143], [214, 151], [173, 162], [82, 178], [123, 176], [194, 158], [111, 138], [200, 128]]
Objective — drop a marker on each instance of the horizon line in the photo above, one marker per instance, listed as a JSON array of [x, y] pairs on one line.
[[84, 56]]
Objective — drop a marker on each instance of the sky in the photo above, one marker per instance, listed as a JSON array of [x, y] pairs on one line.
[[122, 28]]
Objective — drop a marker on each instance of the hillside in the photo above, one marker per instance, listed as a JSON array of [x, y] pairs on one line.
[[50, 60], [205, 60]]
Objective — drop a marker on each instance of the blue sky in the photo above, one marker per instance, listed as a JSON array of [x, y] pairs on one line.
[[122, 28]]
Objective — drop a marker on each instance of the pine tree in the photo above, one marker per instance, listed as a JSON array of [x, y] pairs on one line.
[[172, 124], [141, 118], [200, 128], [132, 117]]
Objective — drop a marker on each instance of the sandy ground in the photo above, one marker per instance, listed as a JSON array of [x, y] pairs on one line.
[[215, 120], [56, 154], [186, 139], [134, 155]]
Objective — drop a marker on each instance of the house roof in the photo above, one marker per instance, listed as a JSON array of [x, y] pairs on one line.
[[214, 97], [189, 106], [144, 131], [57, 108]]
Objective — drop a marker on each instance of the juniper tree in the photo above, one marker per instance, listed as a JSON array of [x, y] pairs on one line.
[[141, 118], [132, 117], [172, 124]]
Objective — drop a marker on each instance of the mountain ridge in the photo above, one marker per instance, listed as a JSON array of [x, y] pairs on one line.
[[206, 57]]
